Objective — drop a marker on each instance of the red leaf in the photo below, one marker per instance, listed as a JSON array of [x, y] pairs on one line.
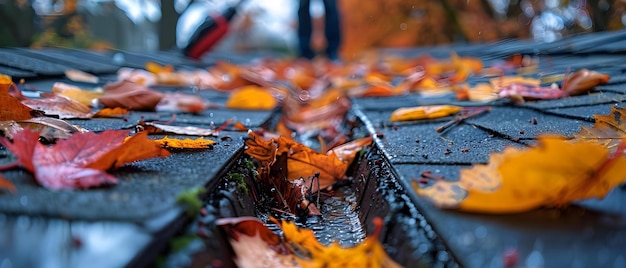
[[81, 160]]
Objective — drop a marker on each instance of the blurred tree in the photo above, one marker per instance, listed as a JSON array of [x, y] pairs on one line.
[[167, 25], [68, 30], [17, 23]]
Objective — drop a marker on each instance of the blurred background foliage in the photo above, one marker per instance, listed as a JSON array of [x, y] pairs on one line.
[[148, 25], [401, 23]]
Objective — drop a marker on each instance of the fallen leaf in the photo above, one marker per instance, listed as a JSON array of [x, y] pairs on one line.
[[111, 112], [81, 160], [50, 128], [424, 112], [9, 127], [482, 92], [75, 93], [552, 174], [156, 128], [130, 95], [306, 115], [10, 107], [61, 106], [582, 81], [80, 76], [199, 143], [238, 126], [505, 81], [137, 76], [520, 92], [254, 244], [292, 195], [457, 69], [228, 76], [178, 102], [609, 129], [302, 161], [369, 253], [249, 226], [347, 151], [251, 98]]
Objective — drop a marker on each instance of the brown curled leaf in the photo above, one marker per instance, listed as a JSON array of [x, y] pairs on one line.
[[130, 95], [584, 80]]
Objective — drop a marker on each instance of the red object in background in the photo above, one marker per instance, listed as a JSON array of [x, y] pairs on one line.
[[209, 33]]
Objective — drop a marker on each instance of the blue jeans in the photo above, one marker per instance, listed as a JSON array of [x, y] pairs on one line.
[[332, 29]]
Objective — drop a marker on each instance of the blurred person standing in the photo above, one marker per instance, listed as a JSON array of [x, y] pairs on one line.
[[17, 23], [332, 30]]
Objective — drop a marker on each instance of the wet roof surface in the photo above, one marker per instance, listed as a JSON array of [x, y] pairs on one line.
[[589, 234]]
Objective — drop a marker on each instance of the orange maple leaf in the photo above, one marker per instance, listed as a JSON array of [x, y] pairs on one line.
[[369, 253], [10, 107], [81, 160], [257, 246], [554, 173]]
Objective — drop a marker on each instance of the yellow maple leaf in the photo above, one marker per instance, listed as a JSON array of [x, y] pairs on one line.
[[553, 174], [312, 254], [199, 143], [251, 98], [424, 112]]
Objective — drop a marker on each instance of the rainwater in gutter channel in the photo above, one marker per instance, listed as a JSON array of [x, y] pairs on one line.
[[372, 190]]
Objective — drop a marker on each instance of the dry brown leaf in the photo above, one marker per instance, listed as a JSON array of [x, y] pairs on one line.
[[582, 81], [61, 106], [609, 129], [302, 161], [130, 95]]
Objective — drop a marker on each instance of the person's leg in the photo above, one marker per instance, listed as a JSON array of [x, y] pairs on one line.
[[305, 29], [332, 29]]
